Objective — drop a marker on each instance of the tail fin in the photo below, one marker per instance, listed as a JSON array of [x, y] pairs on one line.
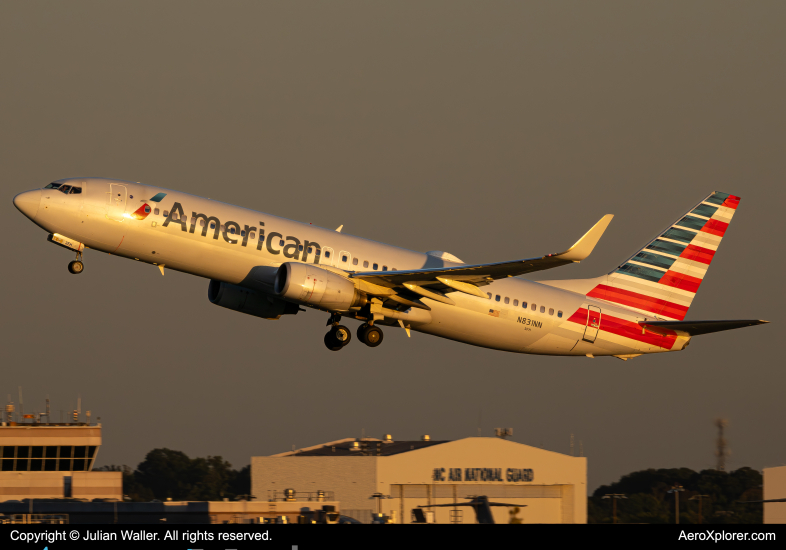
[[664, 276]]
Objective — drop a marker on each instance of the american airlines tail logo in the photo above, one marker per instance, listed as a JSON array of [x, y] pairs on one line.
[[143, 211]]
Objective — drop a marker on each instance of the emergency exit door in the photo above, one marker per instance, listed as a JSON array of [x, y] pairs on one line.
[[593, 324]]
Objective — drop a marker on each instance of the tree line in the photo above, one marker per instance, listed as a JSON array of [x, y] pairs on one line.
[[167, 474], [648, 499]]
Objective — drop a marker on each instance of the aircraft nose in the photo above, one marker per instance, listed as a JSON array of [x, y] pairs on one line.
[[27, 203]]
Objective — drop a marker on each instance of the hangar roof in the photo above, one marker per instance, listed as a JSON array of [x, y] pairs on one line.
[[366, 446]]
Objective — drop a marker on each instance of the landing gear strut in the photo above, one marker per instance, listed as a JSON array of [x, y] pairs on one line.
[[370, 335], [76, 267], [338, 336]]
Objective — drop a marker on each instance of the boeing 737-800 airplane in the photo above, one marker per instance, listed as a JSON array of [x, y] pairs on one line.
[[267, 266]]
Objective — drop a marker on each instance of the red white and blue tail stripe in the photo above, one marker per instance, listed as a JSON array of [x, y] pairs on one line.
[[664, 276]]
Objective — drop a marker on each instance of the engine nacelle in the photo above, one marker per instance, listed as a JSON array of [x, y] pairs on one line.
[[307, 284], [248, 301]]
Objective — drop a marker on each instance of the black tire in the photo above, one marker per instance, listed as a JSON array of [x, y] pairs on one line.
[[372, 337], [342, 335], [362, 332], [76, 267], [331, 343]]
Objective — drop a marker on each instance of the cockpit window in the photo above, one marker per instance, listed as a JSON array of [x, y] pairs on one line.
[[64, 189], [53, 186], [76, 190]]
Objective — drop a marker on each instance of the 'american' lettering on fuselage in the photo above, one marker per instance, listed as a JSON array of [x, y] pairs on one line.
[[290, 250]]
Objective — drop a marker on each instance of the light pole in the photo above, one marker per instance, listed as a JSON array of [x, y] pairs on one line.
[[699, 497], [614, 498], [676, 490]]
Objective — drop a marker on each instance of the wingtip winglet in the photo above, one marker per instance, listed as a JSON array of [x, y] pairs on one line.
[[586, 244]]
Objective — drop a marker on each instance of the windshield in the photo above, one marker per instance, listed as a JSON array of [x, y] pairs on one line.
[[67, 189]]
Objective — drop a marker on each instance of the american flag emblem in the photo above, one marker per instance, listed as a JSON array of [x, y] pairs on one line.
[[494, 312]]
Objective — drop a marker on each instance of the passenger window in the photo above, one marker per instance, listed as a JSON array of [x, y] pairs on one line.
[[543, 309], [524, 305], [300, 247], [355, 261], [202, 223], [222, 228], [166, 214], [156, 211], [376, 267], [281, 243], [251, 234], [344, 258], [551, 311], [147, 209], [318, 251], [489, 295], [534, 307], [78, 190], [498, 298], [212, 224], [507, 300], [516, 303], [309, 250], [559, 314], [232, 230], [384, 268], [327, 252], [242, 233], [365, 263]]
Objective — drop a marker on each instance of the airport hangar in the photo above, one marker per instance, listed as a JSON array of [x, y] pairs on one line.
[[549, 487]]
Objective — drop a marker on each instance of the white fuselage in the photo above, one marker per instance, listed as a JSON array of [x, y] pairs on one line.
[[101, 217]]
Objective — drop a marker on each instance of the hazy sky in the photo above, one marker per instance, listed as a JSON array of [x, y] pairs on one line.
[[491, 130]]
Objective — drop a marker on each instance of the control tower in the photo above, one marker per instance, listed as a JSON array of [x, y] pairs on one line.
[[40, 459]]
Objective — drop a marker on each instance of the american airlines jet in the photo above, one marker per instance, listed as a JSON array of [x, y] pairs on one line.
[[267, 266]]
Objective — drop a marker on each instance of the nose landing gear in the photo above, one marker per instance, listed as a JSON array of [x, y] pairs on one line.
[[76, 267]]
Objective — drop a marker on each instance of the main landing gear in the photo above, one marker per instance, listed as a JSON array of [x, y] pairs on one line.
[[339, 336], [76, 267]]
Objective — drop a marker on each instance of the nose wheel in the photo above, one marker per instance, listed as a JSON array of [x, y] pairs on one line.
[[76, 267]]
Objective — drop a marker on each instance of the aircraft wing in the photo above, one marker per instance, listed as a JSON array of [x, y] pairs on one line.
[[695, 328], [466, 278]]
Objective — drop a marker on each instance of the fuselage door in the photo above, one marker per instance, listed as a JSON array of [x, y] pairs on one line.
[[593, 324], [116, 201], [344, 260], [327, 256]]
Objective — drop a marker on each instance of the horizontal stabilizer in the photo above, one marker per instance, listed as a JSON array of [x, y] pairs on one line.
[[694, 328]]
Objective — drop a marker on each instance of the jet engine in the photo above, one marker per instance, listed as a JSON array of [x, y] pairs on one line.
[[308, 284], [248, 301]]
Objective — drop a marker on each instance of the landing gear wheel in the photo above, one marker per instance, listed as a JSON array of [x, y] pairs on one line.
[[341, 334], [331, 343], [76, 267], [362, 332], [372, 336]]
